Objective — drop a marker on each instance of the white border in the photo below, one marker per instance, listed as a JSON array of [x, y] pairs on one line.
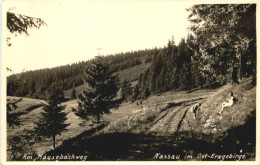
[[3, 103]]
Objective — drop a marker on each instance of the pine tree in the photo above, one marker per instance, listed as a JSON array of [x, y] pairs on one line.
[[73, 94], [185, 78], [136, 93], [146, 93], [126, 91], [145, 81], [154, 73], [160, 81], [52, 121], [18, 23], [101, 89], [13, 117], [175, 79], [13, 83]]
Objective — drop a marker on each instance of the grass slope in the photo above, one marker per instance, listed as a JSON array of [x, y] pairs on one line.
[[129, 74], [76, 126], [233, 116], [27, 104], [164, 125]]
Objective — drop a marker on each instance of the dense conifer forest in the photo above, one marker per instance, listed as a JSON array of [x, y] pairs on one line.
[[35, 83], [194, 63]]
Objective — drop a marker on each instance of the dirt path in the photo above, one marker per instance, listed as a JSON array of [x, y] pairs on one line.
[[163, 126], [144, 140], [172, 119], [163, 133], [167, 123], [140, 134]]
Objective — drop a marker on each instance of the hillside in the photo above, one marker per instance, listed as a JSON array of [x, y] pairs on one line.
[[27, 104], [33, 110], [130, 74], [165, 125], [35, 83]]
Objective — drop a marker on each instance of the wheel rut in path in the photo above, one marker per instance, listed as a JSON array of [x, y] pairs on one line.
[[168, 123]]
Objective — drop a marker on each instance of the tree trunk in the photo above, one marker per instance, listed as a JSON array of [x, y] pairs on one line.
[[53, 137], [242, 67], [98, 118], [234, 75]]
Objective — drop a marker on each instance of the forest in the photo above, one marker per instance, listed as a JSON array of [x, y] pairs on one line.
[[207, 58], [35, 83]]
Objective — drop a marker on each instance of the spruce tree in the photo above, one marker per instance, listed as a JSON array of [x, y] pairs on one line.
[[146, 93], [145, 81], [51, 123], [136, 93], [18, 24], [101, 89], [126, 90], [73, 94], [13, 117], [160, 81]]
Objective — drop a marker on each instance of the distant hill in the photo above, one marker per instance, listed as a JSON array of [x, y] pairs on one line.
[[34, 84], [172, 68], [130, 74]]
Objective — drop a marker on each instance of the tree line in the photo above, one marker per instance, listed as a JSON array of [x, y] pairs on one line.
[[220, 49], [172, 68], [35, 83]]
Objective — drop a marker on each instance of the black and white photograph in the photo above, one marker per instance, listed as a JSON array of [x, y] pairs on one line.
[[88, 80]]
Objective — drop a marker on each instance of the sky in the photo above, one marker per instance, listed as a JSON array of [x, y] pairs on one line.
[[76, 29]]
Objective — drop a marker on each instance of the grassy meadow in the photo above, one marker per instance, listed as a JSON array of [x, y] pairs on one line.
[[163, 123]]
